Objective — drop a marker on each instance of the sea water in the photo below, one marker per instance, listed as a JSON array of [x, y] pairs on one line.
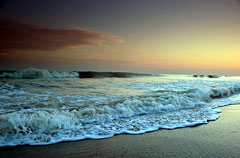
[[39, 107]]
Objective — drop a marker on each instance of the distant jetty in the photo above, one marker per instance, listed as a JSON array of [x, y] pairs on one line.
[[95, 74], [208, 76]]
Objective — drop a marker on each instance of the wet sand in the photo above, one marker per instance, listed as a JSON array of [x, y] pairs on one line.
[[219, 138]]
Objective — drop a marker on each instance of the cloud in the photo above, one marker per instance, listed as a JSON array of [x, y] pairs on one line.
[[18, 35], [132, 35]]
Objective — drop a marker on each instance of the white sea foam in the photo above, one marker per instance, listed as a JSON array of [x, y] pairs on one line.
[[46, 117], [44, 127]]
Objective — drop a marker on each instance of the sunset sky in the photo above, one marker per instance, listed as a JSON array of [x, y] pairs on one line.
[[155, 36]]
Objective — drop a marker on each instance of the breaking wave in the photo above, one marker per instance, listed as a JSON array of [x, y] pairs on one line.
[[31, 73]]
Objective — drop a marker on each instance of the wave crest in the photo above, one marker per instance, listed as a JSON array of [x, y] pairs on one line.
[[31, 73]]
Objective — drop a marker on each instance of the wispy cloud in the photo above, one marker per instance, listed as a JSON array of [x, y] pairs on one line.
[[19, 35], [132, 34]]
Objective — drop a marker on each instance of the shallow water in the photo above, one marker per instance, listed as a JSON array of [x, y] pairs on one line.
[[49, 110]]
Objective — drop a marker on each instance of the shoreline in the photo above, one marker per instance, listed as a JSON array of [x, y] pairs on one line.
[[218, 138]]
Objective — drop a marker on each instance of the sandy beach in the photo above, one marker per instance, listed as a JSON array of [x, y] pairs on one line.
[[219, 138]]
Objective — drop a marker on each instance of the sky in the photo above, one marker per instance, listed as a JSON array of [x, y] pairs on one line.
[[150, 36]]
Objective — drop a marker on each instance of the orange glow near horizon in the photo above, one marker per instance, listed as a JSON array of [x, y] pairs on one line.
[[196, 37]]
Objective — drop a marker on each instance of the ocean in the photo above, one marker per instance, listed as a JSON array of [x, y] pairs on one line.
[[39, 107]]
